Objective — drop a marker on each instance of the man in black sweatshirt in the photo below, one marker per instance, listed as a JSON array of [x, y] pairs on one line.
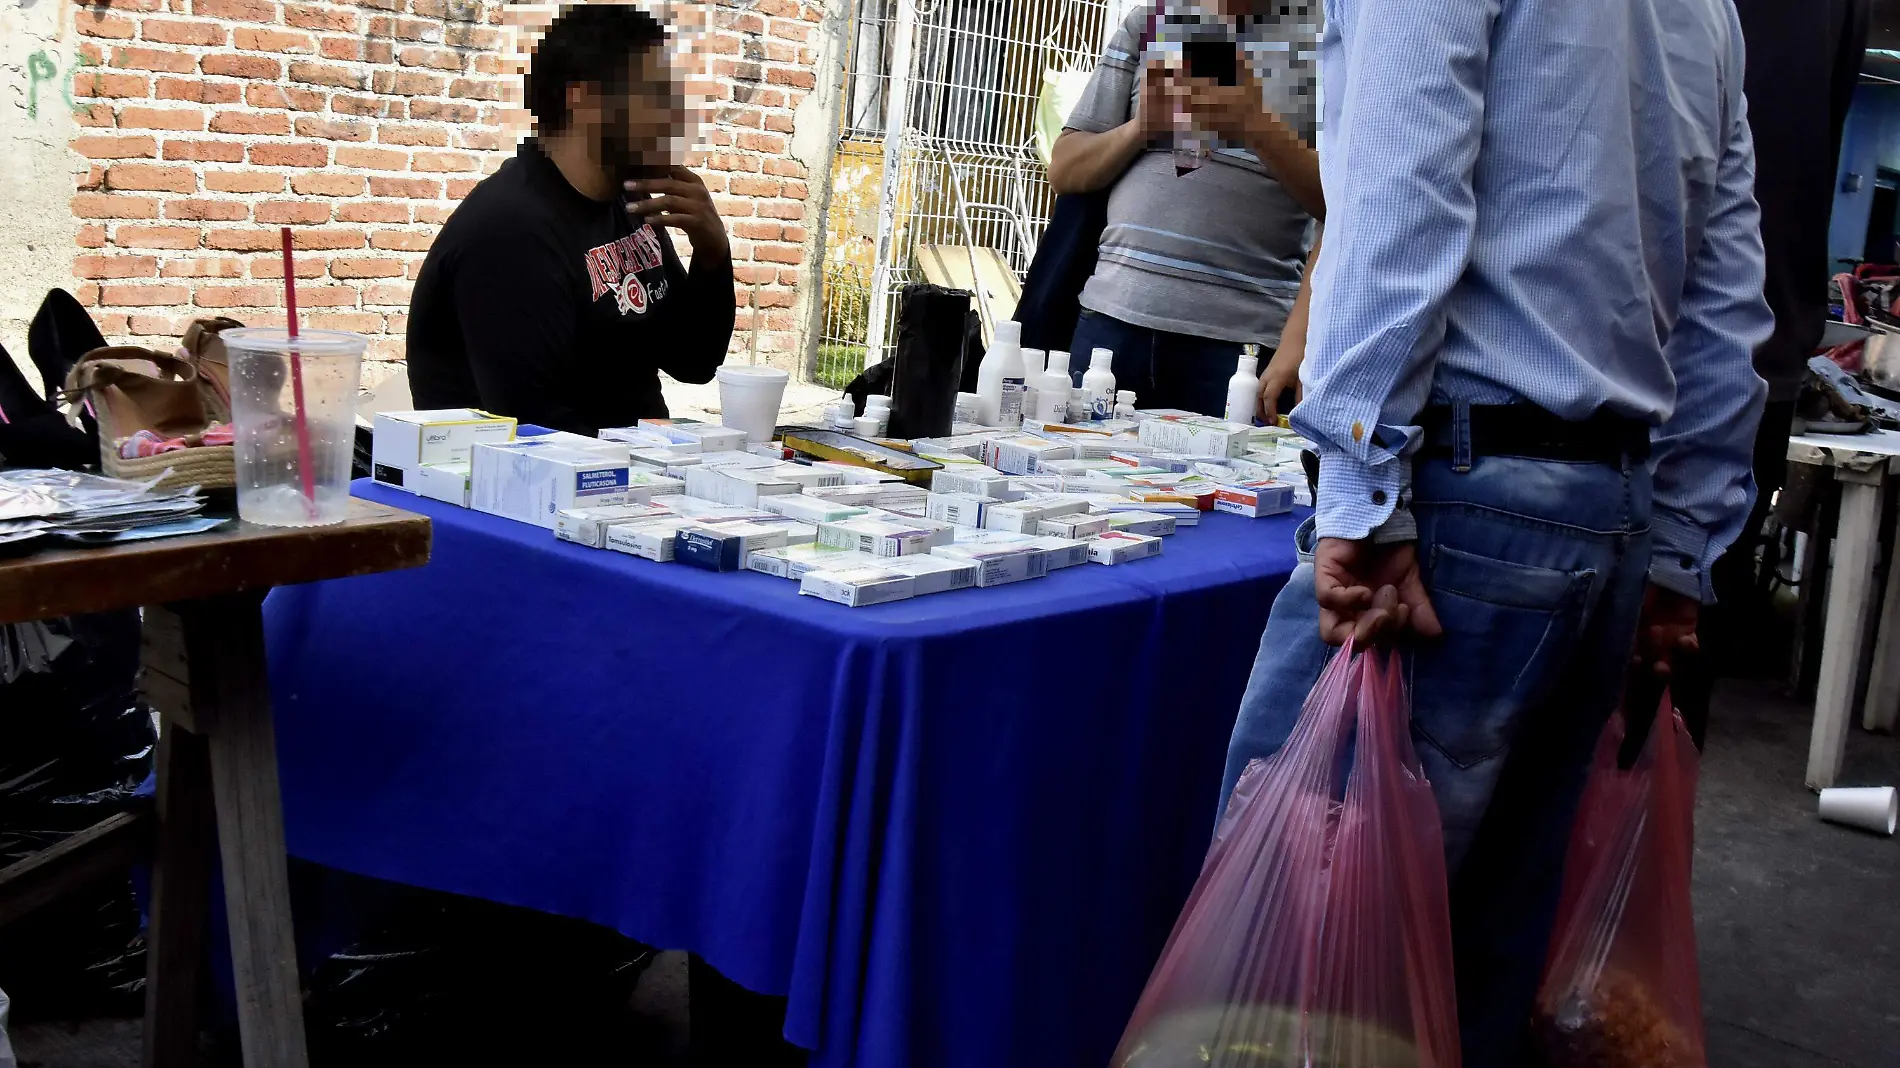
[[553, 293]]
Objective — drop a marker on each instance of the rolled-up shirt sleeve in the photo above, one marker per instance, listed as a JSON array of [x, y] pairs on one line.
[[1398, 152], [1704, 452]]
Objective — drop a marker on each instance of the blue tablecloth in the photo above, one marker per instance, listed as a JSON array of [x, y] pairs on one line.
[[954, 830]]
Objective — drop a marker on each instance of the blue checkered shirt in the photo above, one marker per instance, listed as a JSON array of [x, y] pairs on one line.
[[1538, 200]]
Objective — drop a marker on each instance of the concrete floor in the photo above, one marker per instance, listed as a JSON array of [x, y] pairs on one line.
[[1798, 921]]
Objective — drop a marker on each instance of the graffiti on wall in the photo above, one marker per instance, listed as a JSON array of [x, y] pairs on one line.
[[43, 73]]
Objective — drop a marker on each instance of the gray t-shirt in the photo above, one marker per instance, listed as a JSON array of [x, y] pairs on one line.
[[1218, 252]]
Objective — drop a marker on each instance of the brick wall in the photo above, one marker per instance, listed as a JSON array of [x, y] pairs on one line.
[[209, 123]]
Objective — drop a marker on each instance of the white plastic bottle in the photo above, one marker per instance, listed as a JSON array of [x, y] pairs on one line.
[[989, 374], [1099, 384], [1124, 404], [1243, 390], [1033, 361], [1009, 410], [1079, 405], [1054, 398]]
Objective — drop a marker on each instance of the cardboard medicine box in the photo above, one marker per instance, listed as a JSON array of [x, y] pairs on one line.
[[533, 483], [859, 586], [405, 441]]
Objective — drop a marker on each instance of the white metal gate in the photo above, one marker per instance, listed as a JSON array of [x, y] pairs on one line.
[[937, 151]]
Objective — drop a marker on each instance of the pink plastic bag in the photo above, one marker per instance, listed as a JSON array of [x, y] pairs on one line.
[[1319, 933], [1622, 989]]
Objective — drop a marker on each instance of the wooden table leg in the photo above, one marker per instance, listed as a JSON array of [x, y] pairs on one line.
[[230, 693], [181, 885], [1883, 686], [1850, 605]]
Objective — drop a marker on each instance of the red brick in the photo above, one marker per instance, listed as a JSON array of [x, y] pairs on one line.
[[270, 40], [283, 97], [207, 210], [91, 235], [401, 240], [330, 239], [150, 176], [231, 66], [443, 111], [734, 207], [773, 252], [244, 181], [738, 117], [250, 123], [794, 233], [387, 349], [100, 146], [114, 206], [401, 134], [373, 211], [333, 129], [435, 58], [443, 161], [87, 293], [411, 188], [236, 10], [137, 118], [273, 266], [482, 138], [753, 141], [371, 159], [476, 37], [461, 187], [433, 214], [396, 322], [182, 31], [374, 107], [318, 17], [409, 83], [112, 325], [779, 209], [299, 212], [784, 168], [156, 237], [219, 296], [160, 325], [242, 240], [207, 267], [115, 266], [94, 178], [788, 276], [130, 58], [327, 185], [196, 90], [745, 186], [204, 151], [102, 83], [94, 23], [94, 116], [314, 73], [390, 294], [143, 296], [364, 267], [475, 89], [354, 322], [325, 297], [131, 5], [797, 79], [357, 50], [778, 122], [759, 230], [292, 155]]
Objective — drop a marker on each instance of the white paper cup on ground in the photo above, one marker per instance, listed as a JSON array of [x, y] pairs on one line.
[[749, 399], [1870, 808]]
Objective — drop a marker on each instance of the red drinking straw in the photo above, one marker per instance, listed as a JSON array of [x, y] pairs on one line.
[[296, 384]]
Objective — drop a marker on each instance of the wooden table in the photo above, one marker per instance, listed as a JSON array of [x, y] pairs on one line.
[[217, 754], [1863, 464]]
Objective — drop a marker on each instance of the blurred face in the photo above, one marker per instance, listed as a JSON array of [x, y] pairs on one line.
[[635, 126]]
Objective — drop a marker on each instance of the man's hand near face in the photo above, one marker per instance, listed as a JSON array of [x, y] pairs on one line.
[[681, 202]]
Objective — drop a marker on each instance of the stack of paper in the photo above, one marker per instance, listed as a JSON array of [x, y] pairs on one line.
[[93, 509]]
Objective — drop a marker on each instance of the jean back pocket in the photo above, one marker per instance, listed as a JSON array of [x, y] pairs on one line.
[[1507, 629]]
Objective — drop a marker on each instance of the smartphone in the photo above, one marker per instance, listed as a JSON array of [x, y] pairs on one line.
[[1217, 61]]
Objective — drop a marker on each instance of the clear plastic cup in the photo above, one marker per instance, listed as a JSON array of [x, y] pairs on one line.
[[749, 399], [287, 476]]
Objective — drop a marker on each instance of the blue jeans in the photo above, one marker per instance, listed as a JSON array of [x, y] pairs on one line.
[[1164, 370], [1537, 570]]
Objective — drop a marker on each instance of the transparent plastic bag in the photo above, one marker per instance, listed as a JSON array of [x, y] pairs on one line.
[[1319, 934], [1621, 989]]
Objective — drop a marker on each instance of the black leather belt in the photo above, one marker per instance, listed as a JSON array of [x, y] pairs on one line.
[[1530, 431]]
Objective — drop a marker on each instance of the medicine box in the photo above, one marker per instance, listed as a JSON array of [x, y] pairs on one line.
[[1021, 517], [957, 509], [974, 480], [1254, 499], [404, 441], [618, 450], [1147, 524], [1024, 455], [1058, 553], [1119, 547], [795, 561], [443, 482], [1196, 437], [859, 586], [998, 565], [710, 438], [734, 485], [1075, 527], [934, 574], [533, 483], [588, 526], [884, 538], [640, 438], [808, 509], [724, 548], [650, 539]]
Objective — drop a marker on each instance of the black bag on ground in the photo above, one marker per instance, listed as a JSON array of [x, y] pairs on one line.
[[76, 742]]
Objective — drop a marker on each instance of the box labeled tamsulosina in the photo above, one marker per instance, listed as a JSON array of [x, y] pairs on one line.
[[650, 539], [442, 482], [1074, 527], [974, 480], [884, 538], [404, 441], [1147, 524], [795, 561], [533, 483], [588, 526], [724, 548], [933, 573], [1254, 499], [998, 565], [1119, 547], [858, 586], [956, 509], [1196, 437]]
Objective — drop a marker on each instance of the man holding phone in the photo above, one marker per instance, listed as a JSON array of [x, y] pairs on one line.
[[1202, 257]]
